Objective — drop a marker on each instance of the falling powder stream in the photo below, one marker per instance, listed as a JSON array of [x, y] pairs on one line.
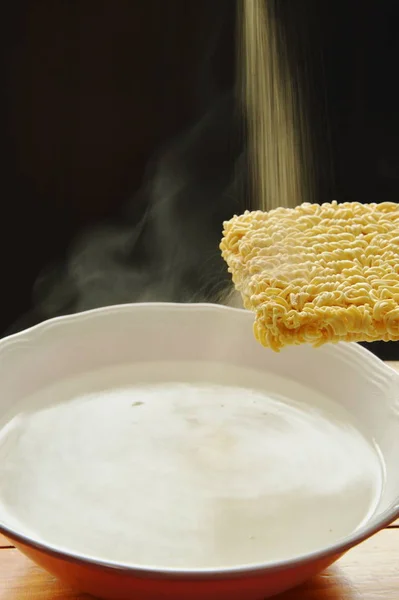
[[278, 139]]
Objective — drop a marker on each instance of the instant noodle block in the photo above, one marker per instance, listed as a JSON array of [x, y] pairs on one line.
[[317, 273]]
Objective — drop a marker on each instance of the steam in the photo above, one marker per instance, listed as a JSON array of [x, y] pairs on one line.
[[173, 254]]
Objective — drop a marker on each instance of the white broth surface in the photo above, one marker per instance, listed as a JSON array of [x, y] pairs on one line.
[[185, 465]]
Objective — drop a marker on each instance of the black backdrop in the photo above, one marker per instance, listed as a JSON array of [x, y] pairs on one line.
[[90, 88]]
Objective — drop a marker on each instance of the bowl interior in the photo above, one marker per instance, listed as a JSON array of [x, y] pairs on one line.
[[154, 334]]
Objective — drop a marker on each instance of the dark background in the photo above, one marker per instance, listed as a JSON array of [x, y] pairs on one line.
[[91, 88]]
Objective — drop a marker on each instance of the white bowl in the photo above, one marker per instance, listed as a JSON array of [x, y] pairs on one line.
[[326, 421]]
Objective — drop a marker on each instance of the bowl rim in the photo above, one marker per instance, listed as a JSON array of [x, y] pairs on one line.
[[31, 335]]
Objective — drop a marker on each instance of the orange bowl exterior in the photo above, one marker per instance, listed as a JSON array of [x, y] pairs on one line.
[[124, 584]]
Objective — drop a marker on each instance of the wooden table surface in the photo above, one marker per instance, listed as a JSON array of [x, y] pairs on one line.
[[368, 572]]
